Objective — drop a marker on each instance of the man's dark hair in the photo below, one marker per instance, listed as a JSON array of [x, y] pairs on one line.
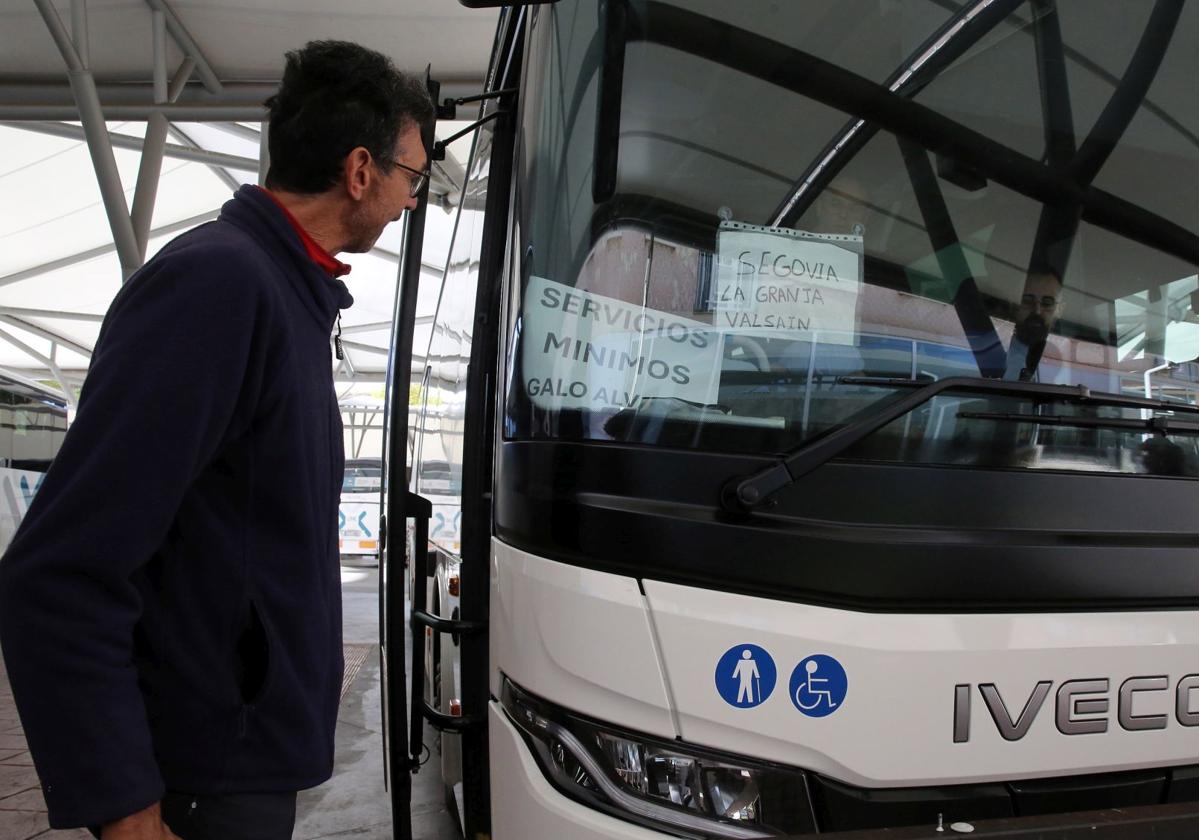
[[336, 96]]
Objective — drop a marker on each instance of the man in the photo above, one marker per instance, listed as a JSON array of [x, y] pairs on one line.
[[1040, 307], [170, 610]]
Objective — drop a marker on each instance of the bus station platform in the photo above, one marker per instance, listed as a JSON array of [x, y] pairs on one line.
[[353, 803]]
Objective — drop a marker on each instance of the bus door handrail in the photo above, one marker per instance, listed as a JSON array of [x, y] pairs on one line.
[[421, 510]]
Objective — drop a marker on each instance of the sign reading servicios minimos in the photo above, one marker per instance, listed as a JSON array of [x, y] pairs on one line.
[[583, 350]]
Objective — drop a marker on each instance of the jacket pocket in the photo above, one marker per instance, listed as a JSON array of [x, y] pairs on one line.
[[252, 662]]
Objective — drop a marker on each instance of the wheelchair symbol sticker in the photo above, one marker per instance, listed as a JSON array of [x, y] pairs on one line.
[[818, 685], [745, 676]]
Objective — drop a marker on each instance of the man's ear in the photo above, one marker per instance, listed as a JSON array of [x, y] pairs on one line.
[[358, 171]]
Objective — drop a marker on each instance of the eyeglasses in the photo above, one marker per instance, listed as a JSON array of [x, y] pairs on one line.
[[419, 179], [1044, 302]]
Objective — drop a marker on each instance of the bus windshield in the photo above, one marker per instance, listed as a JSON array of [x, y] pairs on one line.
[[741, 219]]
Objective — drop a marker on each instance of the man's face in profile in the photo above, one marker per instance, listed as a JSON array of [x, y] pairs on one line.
[[1040, 306]]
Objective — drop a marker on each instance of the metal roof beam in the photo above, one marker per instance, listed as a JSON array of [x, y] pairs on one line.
[[53, 314], [353, 345], [125, 141], [48, 335], [139, 113], [388, 254], [188, 44], [45, 360], [218, 170], [44, 93], [92, 253], [360, 377], [358, 328], [49, 92], [239, 130], [73, 375]]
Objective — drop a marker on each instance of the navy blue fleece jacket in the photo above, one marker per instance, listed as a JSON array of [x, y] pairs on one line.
[[170, 609]]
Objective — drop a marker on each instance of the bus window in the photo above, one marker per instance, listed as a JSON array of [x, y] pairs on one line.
[[733, 275]]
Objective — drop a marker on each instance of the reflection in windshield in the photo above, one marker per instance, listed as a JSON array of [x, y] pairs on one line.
[[745, 240]]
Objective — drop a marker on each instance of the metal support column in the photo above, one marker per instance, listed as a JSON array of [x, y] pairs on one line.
[[63, 384], [87, 100], [150, 170], [79, 31], [264, 153]]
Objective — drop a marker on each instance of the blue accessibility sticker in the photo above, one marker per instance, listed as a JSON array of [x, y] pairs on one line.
[[745, 676], [819, 685]]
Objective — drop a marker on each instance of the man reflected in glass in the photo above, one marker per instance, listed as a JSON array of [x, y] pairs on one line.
[[1037, 312]]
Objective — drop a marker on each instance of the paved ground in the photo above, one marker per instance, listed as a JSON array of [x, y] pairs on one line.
[[353, 804]]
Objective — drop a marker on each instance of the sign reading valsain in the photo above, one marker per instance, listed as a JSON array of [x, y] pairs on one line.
[[791, 280], [583, 350]]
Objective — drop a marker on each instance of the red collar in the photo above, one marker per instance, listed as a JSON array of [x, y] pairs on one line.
[[326, 261]]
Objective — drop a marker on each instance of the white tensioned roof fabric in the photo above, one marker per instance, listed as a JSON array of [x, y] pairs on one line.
[[59, 269]]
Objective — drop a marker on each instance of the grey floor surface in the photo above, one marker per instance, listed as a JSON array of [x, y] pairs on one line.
[[353, 804]]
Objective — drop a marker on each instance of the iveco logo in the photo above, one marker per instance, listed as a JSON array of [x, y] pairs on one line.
[[1083, 706]]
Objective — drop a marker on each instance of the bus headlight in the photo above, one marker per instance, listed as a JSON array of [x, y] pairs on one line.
[[668, 785]]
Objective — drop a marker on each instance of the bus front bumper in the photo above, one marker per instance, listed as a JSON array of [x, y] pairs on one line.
[[525, 805]]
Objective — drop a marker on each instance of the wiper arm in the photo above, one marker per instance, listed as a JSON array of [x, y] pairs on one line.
[[744, 493], [1157, 425]]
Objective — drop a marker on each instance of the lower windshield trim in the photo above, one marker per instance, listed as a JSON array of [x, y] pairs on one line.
[[860, 536]]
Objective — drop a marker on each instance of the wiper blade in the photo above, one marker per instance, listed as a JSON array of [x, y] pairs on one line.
[[744, 493], [1005, 387], [1157, 425]]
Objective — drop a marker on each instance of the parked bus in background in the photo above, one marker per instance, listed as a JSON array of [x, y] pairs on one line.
[[829, 435], [33, 422], [358, 511]]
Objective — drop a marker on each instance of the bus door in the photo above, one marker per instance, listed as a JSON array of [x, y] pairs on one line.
[[455, 405]]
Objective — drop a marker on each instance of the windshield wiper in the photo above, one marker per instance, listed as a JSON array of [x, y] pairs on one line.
[[1157, 425], [742, 494]]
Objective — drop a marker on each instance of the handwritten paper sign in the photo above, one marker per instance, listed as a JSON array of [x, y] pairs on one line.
[[788, 280], [583, 350]]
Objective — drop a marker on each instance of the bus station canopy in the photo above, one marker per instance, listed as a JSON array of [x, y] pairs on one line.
[[206, 68]]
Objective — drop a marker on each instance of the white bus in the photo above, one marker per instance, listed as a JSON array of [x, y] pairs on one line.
[[827, 455], [358, 511], [33, 422]]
